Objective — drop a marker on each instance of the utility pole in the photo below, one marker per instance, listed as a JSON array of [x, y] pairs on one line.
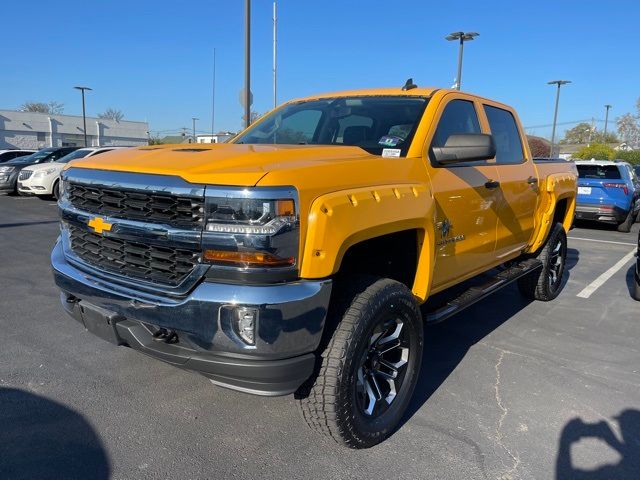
[[84, 114], [606, 121], [275, 64], [194, 128], [559, 83], [247, 63], [462, 37]]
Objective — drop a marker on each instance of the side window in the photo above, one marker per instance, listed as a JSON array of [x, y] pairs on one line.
[[505, 135], [459, 116]]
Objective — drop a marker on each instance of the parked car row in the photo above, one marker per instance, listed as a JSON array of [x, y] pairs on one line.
[[38, 172]]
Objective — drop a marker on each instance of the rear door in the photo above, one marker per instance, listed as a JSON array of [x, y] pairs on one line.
[[518, 189], [466, 209]]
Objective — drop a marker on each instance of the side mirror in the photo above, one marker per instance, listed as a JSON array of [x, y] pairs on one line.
[[466, 147]]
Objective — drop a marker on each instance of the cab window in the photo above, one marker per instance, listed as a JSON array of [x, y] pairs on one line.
[[505, 135], [459, 117]]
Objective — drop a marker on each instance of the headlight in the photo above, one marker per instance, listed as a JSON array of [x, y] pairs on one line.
[[252, 230], [6, 169], [43, 173]]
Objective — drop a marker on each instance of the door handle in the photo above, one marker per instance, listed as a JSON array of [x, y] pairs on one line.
[[492, 184], [532, 181]]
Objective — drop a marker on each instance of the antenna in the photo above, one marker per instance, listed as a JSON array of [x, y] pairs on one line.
[[213, 97], [275, 64], [409, 85]]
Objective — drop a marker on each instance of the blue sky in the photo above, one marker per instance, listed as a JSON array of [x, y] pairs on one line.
[[153, 60]]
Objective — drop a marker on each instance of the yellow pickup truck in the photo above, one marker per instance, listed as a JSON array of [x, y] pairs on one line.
[[306, 255]]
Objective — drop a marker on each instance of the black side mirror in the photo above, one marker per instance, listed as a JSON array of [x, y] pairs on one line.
[[467, 147]]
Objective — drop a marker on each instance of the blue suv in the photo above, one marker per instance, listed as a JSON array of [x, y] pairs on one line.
[[607, 192]]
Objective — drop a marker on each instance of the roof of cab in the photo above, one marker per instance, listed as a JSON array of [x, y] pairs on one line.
[[371, 92]]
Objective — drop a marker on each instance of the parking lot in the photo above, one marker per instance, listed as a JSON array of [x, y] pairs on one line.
[[509, 389]]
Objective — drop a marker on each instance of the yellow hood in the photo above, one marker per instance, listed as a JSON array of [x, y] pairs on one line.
[[224, 164]]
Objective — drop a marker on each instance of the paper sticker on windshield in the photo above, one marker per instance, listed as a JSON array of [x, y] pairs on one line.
[[390, 140], [391, 152]]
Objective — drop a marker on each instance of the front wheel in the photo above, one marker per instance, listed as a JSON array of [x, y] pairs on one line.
[[370, 367], [56, 190], [546, 282]]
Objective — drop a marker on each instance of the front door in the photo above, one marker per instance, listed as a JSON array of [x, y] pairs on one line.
[[466, 201]]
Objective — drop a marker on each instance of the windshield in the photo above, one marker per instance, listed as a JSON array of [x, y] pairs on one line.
[[599, 171], [73, 155], [36, 157], [380, 125]]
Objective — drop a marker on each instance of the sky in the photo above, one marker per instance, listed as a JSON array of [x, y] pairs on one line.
[[154, 59]]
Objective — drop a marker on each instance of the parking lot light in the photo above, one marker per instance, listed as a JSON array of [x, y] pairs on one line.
[[555, 115], [84, 115], [462, 37]]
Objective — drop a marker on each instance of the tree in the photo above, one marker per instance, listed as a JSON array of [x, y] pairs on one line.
[[112, 114], [600, 137], [581, 133], [254, 117], [52, 108], [596, 150], [629, 130], [539, 146]]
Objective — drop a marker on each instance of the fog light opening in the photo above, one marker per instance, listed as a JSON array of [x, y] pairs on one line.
[[244, 324]]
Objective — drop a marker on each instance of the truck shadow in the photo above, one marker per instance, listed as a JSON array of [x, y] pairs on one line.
[[447, 343], [631, 279], [41, 438]]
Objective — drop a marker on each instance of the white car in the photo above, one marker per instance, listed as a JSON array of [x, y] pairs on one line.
[[44, 179]]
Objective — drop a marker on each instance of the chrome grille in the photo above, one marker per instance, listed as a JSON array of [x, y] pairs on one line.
[[25, 174], [154, 263], [148, 206]]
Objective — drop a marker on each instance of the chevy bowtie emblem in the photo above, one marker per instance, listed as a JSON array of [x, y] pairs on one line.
[[99, 225]]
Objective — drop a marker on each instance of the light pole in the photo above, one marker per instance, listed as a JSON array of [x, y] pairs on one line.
[[194, 128], [555, 115], [606, 121], [84, 115], [462, 37]]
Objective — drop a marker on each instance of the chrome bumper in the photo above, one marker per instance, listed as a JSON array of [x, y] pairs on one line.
[[291, 318]]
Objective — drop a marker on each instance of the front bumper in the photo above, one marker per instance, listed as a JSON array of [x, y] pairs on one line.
[[601, 213], [36, 186], [8, 182], [291, 319]]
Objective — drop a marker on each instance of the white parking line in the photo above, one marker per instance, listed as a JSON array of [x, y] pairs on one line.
[[598, 282], [601, 241]]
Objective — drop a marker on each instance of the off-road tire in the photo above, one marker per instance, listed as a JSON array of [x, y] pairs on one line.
[[538, 285], [329, 400], [625, 226]]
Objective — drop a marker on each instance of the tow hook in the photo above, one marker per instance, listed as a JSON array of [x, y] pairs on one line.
[[166, 336]]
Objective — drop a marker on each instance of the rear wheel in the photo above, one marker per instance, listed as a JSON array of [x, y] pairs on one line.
[[625, 226], [370, 366], [545, 283]]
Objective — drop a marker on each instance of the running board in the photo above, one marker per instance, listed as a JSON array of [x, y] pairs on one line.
[[477, 293]]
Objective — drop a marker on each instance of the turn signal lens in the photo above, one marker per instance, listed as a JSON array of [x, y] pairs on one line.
[[247, 259]]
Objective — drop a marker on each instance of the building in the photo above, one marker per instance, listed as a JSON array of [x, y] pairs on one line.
[[219, 137], [38, 130]]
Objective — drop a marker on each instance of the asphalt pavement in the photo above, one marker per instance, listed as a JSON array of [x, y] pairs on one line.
[[510, 389]]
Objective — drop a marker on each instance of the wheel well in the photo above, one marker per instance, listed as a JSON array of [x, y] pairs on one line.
[[392, 256], [560, 212]]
